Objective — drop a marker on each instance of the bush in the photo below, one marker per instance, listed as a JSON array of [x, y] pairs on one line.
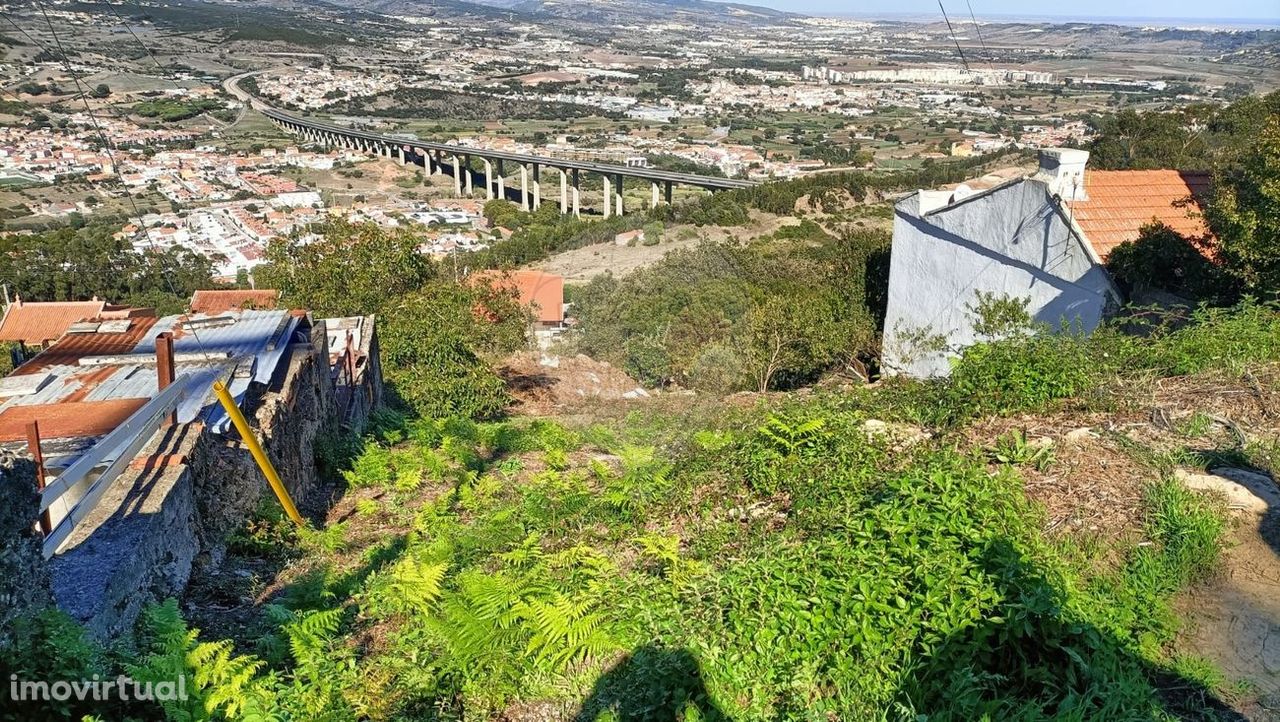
[[1162, 259], [776, 315], [432, 346]]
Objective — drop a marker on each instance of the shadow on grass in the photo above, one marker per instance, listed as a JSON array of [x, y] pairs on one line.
[[1031, 660], [652, 683]]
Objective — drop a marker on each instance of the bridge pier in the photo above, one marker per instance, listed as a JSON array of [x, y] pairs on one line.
[[576, 192], [524, 187], [537, 187], [661, 188]]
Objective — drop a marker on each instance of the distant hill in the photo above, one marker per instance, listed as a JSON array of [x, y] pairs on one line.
[[693, 12]]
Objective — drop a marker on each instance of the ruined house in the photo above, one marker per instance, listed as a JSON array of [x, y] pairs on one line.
[[1044, 238], [142, 474]]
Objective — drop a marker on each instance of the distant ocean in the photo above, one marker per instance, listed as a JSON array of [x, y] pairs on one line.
[[1213, 23]]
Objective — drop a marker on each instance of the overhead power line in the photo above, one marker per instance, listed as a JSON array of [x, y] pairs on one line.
[[109, 150]]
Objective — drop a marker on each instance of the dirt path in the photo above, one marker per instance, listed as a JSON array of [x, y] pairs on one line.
[[1235, 619]]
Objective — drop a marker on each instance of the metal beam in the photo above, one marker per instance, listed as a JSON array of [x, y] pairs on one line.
[[125, 440]]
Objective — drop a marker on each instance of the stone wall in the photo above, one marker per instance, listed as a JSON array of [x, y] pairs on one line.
[[364, 392], [290, 415], [187, 491], [24, 578]]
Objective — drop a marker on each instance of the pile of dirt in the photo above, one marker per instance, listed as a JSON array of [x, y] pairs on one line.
[[545, 384]]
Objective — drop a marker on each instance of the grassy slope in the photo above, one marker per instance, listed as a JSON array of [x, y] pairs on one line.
[[775, 560], [769, 562]]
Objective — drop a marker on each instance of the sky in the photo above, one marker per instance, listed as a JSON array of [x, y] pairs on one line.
[[1260, 10]]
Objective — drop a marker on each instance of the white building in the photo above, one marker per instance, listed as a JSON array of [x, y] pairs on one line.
[[1043, 238]]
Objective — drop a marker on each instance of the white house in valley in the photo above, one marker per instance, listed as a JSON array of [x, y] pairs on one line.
[[1042, 237]]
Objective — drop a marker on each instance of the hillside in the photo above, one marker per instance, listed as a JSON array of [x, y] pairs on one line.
[[864, 553]]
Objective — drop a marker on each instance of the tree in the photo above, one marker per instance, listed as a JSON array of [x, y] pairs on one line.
[[796, 335], [76, 264], [102, 90], [433, 342], [1245, 215], [1160, 258], [351, 269]]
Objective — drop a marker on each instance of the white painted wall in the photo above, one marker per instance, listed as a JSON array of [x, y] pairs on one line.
[[1011, 240]]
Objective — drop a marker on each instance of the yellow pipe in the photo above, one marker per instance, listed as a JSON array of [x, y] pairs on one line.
[[259, 455]]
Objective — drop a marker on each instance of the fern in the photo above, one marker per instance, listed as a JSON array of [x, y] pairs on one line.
[[410, 587], [221, 682], [644, 479], [330, 539], [562, 630], [799, 439], [665, 550]]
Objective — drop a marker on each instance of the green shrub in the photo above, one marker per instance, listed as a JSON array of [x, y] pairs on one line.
[[1228, 339], [1024, 372]]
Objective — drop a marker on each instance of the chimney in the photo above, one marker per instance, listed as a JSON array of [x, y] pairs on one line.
[[1062, 169]]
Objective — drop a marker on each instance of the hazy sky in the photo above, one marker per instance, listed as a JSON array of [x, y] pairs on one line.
[[1266, 10]]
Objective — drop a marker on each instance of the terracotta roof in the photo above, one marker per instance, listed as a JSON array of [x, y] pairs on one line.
[[71, 348], [1121, 202], [219, 301], [37, 322], [543, 291]]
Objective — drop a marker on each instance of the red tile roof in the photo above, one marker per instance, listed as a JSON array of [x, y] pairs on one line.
[[220, 301], [543, 291], [1121, 202], [37, 322], [34, 323]]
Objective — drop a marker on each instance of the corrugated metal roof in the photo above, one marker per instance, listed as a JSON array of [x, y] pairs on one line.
[[67, 420], [336, 331], [238, 347], [70, 349]]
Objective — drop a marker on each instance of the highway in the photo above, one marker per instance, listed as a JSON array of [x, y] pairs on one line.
[[610, 169]]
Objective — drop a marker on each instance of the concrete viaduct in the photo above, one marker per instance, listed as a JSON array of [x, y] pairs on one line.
[[437, 158]]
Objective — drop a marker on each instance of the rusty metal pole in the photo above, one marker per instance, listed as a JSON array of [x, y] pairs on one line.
[[37, 456], [165, 372], [351, 358]]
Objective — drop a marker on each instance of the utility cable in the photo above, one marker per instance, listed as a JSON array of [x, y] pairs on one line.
[[93, 119], [165, 70], [986, 53]]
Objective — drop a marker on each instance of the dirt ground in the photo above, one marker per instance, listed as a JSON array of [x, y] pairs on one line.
[[582, 264], [1235, 619], [1093, 488], [546, 384]]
